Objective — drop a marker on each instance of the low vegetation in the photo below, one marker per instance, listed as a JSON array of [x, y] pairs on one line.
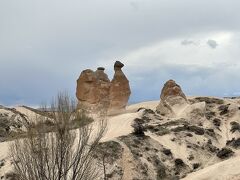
[[235, 143], [62, 154], [235, 127], [138, 128], [225, 153]]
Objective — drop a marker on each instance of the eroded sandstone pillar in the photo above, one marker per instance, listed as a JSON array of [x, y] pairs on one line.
[[119, 90]]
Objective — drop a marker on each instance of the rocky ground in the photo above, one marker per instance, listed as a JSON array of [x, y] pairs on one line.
[[197, 142], [173, 148]]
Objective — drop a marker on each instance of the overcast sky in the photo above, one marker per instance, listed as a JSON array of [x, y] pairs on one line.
[[45, 44]]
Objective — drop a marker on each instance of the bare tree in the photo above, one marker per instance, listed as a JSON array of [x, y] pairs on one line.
[[63, 154]]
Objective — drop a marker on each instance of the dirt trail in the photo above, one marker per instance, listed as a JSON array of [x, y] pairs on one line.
[[127, 162], [227, 130]]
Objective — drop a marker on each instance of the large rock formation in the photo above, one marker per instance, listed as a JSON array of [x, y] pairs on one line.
[[96, 93], [93, 89], [171, 91], [87, 86], [172, 99], [119, 90], [103, 87], [173, 103]]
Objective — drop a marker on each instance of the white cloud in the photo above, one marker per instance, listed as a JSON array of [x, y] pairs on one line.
[[199, 69], [171, 52], [60, 38]]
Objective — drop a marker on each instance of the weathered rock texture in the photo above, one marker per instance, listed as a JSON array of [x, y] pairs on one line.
[[93, 90], [172, 90], [119, 90], [103, 86], [171, 99], [96, 93], [87, 87]]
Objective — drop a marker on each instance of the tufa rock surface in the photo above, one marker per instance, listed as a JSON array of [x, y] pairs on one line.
[[96, 93], [174, 103], [93, 89], [87, 86], [171, 99], [119, 90], [172, 90]]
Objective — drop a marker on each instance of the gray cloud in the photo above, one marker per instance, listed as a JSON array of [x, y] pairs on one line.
[[44, 45], [194, 80], [212, 43], [135, 5], [187, 42]]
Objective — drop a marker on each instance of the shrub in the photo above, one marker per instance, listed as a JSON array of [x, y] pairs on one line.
[[12, 176], [179, 162], [217, 122], [223, 109], [196, 165], [235, 127], [138, 128], [161, 172], [62, 154], [195, 129], [167, 152], [225, 153], [234, 143]]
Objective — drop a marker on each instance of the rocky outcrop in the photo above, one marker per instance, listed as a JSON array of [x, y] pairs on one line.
[[96, 93], [87, 87], [119, 90], [93, 89], [12, 123], [103, 87], [172, 99], [174, 103], [172, 91]]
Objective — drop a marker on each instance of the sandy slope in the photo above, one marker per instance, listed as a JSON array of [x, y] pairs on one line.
[[148, 105], [117, 126], [178, 151], [127, 162], [226, 170], [121, 125], [30, 114], [4, 148]]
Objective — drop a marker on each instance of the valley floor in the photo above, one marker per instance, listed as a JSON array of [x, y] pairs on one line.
[[172, 148]]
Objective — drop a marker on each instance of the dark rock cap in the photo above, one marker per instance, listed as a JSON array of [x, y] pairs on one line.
[[118, 65], [101, 68]]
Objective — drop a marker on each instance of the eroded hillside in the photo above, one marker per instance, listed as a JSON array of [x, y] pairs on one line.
[[192, 144]]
